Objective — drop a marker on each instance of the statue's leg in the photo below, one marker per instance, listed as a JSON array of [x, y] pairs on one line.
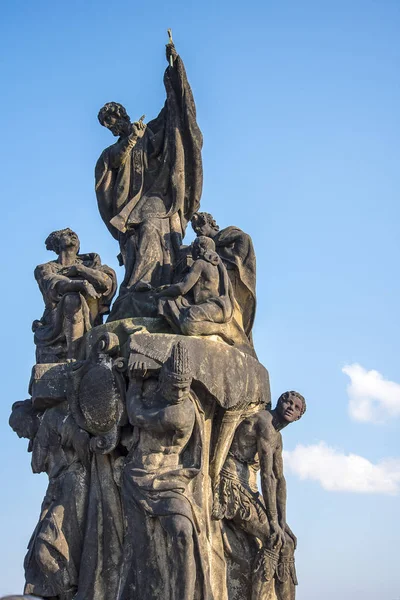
[[152, 266], [285, 579], [265, 563], [128, 243], [57, 575], [183, 566], [73, 323]]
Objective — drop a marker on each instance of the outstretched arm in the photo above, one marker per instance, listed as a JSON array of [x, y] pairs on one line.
[[184, 286]]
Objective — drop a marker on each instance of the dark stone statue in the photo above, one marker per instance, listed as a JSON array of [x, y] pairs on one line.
[[60, 449], [237, 253], [148, 186], [164, 458], [153, 426], [257, 447], [203, 300], [77, 291]]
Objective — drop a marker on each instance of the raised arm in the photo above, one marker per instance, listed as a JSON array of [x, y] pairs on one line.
[[154, 419], [120, 151]]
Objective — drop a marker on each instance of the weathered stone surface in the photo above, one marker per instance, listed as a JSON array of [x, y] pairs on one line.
[[77, 291], [153, 427], [256, 520], [48, 384], [19, 597], [148, 186], [215, 367], [237, 253]]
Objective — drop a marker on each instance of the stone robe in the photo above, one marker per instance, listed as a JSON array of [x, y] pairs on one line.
[[236, 250], [49, 330], [54, 552], [147, 199]]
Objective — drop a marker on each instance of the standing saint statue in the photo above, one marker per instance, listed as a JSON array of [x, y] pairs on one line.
[[148, 186]]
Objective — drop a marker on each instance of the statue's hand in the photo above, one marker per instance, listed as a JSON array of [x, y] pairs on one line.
[[137, 368], [171, 51], [72, 271], [277, 537], [138, 128], [160, 290], [87, 289]]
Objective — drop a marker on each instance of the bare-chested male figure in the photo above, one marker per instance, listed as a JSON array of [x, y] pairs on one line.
[[203, 300], [160, 546], [257, 446]]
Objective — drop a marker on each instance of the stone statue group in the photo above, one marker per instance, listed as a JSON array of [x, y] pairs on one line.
[[155, 428]]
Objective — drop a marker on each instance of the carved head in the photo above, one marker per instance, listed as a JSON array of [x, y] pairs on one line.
[[203, 245], [114, 116], [290, 407], [204, 224], [204, 248], [62, 239], [176, 375], [24, 419]]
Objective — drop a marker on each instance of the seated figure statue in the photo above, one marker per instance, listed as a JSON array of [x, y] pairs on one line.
[[202, 303], [235, 248], [257, 446], [77, 291]]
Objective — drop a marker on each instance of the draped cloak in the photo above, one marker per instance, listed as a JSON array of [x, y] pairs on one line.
[[158, 184], [49, 330], [236, 250], [81, 522], [61, 526]]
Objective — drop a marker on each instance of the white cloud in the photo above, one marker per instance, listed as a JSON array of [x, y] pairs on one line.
[[372, 397], [339, 472]]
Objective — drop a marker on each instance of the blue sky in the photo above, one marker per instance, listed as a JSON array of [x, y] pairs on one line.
[[299, 106]]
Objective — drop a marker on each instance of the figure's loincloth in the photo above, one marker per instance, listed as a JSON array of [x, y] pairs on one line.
[[234, 498]]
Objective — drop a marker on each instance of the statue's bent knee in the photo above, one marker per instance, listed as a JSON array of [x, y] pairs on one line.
[[182, 530], [72, 304]]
